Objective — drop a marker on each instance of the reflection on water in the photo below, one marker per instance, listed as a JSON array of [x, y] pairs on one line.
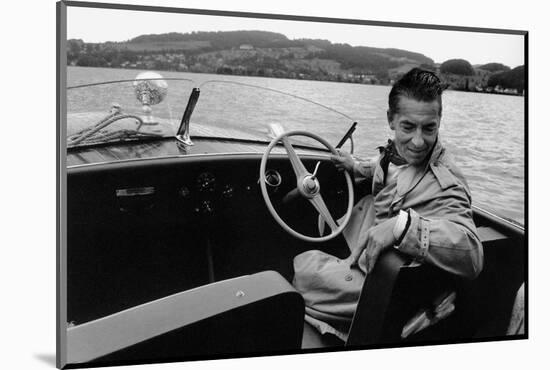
[[485, 133]]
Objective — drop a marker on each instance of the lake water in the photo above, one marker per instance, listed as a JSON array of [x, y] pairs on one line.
[[485, 133]]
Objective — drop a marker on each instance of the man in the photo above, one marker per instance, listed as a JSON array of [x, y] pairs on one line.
[[420, 205]]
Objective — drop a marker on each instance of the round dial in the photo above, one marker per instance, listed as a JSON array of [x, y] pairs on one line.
[[273, 178]]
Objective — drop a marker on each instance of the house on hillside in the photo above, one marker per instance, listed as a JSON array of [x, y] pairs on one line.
[[246, 47]]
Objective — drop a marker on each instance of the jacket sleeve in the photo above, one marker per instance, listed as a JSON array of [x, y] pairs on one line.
[[446, 236], [364, 170]]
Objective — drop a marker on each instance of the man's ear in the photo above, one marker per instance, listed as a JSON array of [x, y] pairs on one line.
[[390, 119]]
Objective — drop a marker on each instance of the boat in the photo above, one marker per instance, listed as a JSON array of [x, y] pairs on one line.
[[181, 233]]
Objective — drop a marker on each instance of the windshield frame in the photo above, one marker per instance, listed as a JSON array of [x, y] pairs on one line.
[[183, 132]]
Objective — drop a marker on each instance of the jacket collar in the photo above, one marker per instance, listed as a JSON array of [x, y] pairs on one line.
[[409, 178], [436, 152]]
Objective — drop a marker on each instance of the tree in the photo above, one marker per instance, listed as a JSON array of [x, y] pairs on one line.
[[494, 67], [88, 60], [458, 67], [514, 79]]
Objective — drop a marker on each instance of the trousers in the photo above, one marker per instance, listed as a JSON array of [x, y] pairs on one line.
[[329, 286]]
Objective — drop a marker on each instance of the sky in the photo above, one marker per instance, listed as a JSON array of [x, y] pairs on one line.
[[100, 25]]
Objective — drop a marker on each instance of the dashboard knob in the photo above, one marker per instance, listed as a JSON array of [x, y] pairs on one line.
[[205, 208], [184, 192], [227, 191]]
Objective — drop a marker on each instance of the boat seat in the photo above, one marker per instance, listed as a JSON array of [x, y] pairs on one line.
[[394, 293], [253, 314], [311, 339], [390, 297], [397, 290]]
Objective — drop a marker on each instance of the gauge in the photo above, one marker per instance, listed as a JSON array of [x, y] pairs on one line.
[[206, 182], [227, 191], [273, 178]]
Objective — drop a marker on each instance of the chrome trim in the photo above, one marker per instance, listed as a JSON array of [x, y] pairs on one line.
[[132, 192], [310, 192], [185, 138], [276, 174], [500, 218], [281, 155], [128, 80]]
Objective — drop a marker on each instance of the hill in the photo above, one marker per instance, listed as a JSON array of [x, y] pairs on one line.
[[258, 53], [272, 54], [219, 40]]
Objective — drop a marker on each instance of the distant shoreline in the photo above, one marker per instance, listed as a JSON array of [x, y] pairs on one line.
[[283, 78], [270, 54]]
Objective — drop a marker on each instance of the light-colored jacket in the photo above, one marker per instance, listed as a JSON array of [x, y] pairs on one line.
[[442, 231]]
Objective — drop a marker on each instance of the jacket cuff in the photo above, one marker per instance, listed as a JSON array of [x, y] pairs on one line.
[[416, 240], [364, 169], [357, 168]]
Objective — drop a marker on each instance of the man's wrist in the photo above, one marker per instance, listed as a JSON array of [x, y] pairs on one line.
[[401, 226]]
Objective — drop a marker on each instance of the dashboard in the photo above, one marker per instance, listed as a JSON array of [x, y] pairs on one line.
[[189, 187], [141, 230]]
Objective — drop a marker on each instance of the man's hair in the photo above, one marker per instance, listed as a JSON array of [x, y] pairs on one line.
[[417, 84]]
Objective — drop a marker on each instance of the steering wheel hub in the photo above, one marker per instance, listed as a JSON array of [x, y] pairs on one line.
[[310, 186]]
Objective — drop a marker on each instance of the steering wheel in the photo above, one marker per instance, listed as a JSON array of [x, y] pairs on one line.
[[308, 187]]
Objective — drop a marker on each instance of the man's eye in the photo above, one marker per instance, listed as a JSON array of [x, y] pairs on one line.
[[407, 127], [429, 130]]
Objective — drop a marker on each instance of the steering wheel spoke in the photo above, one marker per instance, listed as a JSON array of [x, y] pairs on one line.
[[321, 207], [297, 165]]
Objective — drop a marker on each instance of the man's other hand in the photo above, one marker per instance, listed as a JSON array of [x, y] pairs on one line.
[[379, 238], [343, 161]]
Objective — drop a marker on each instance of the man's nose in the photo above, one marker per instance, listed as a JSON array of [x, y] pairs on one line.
[[418, 140]]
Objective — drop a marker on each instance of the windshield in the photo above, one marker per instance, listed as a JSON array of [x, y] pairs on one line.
[[230, 104], [105, 105]]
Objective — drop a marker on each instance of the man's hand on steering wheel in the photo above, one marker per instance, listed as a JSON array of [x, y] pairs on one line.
[[343, 161]]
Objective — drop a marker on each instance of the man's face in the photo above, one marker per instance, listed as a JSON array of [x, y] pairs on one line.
[[416, 126]]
